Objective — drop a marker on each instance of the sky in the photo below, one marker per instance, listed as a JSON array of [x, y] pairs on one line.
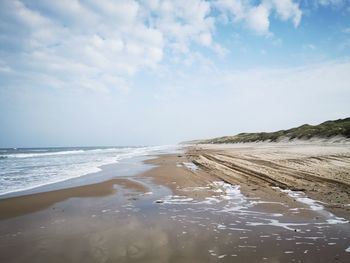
[[150, 72]]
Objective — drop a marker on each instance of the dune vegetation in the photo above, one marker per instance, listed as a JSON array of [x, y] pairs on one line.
[[324, 130]]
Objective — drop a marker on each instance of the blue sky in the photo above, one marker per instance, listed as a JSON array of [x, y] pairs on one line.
[[159, 71]]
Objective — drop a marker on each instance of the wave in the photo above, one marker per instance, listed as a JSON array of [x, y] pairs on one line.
[[64, 177], [30, 155], [43, 153], [18, 175]]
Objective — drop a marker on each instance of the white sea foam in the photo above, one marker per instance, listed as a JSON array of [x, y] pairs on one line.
[[276, 223], [302, 198], [221, 191], [124, 150], [337, 220], [42, 154], [228, 191], [314, 205], [177, 200], [24, 171], [190, 166], [227, 198]]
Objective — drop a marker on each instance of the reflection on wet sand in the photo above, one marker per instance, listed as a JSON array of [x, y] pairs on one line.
[[130, 242], [17, 206]]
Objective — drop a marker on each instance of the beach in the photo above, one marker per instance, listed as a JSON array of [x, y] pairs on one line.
[[205, 203], [320, 170], [173, 131]]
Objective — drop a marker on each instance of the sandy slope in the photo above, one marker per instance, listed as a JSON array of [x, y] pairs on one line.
[[322, 171]]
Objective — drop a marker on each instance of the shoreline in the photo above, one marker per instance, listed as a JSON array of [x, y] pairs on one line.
[[169, 170], [172, 212], [107, 172], [26, 204], [162, 170]]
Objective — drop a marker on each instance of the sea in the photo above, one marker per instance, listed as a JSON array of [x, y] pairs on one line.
[[29, 168]]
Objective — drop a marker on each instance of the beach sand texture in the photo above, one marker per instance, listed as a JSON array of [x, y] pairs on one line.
[[209, 204], [322, 171]]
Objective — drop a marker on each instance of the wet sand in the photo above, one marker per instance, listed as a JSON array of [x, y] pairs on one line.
[[175, 212], [20, 205]]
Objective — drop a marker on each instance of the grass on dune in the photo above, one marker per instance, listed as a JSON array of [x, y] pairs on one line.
[[326, 129]]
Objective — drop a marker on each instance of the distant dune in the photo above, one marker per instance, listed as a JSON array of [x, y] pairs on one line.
[[336, 130]]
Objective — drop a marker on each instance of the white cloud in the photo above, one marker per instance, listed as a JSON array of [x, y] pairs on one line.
[[57, 36], [289, 96], [73, 43], [257, 15], [311, 46], [116, 38], [331, 2], [234, 9], [258, 19], [287, 9], [182, 22]]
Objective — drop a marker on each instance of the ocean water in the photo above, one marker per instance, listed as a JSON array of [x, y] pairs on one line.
[[28, 168]]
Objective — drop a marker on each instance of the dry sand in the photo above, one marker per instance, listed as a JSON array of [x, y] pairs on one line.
[[322, 171]]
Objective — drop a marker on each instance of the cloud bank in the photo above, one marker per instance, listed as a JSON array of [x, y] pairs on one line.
[[100, 45]]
